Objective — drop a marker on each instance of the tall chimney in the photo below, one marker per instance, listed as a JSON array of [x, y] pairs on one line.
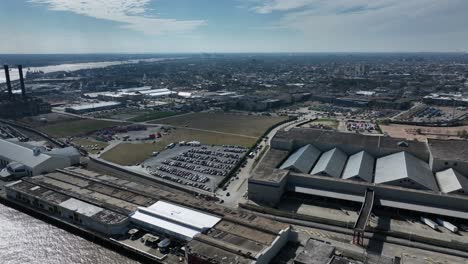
[[23, 90], [8, 82]]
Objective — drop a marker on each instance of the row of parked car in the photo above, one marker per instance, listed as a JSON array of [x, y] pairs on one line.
[[235, 149], [202, 162], [177, 179], [184, 174], [215, 153], [193, 167]]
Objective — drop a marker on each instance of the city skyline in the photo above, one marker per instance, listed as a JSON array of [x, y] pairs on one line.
[[146, 26]]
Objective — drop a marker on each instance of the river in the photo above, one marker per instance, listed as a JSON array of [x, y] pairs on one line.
[[70, 67], [27, 240]]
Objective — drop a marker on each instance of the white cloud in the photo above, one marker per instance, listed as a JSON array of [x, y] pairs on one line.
[[373, 24], [131, 13]]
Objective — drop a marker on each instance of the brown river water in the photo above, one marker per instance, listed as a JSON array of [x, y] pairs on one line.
[[25, 239]]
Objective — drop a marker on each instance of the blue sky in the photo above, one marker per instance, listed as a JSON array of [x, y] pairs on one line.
[[134, 26]]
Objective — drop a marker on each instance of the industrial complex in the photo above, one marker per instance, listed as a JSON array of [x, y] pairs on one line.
[[125, 211], [13, 105], [425, 177], [242, 158]]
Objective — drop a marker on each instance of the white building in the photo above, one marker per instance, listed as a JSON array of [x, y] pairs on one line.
[[174, 220], [18, 160], [92, 107]]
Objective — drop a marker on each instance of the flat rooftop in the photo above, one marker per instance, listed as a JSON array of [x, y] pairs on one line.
[[93, 105], [456, 150], [118, 198], [54, 197], [266, 170], [218, 255]]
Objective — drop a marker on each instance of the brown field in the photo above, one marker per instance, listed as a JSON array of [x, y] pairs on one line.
[[248, 125], [132, 153], [411, 132]]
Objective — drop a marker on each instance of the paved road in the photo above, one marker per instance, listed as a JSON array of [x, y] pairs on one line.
[[237, 189]]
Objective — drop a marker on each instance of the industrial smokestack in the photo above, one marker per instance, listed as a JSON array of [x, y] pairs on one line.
[[23, 90], [8, 82]]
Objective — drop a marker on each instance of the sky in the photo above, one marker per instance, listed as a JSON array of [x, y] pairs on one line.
[[169, 26]]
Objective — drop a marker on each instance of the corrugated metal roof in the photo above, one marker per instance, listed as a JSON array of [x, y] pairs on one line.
[[331, 163], [451, 180], [21, 154], [360, 165], [302, 160], [175, 218], [402, 165]]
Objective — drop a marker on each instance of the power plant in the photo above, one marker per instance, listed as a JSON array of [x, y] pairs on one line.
[[14, 106]]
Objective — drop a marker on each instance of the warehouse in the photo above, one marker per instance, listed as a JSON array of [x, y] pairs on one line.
[[405, 170], [113, 206], [302, 160], [20, 159], [451, 181], [93, 107], [445, 154], [360, 166], [406, 176], [331, 163], [67, 208], [174, 220], [157, 92]]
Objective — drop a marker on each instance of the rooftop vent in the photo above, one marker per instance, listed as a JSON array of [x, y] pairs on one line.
[[403, 144], [36, 151]]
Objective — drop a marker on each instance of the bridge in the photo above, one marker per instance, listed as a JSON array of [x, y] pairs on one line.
[[363, 218]]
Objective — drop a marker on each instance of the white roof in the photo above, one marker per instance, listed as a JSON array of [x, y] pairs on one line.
[[81, 207], [152, 91], [160, 94], [175, 218], [451, 181], [402, 165], [94, 105], [331, 163], [21, 154], [303, 159], [360, 165], [136, 89]]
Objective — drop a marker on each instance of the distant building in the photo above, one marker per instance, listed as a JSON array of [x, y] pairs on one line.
[[93, 107]]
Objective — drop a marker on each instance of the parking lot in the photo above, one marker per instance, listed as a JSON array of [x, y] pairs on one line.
[[201, 167]]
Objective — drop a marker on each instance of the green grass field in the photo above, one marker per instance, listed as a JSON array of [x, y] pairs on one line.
[[152, 116], [248, 125], [132, 153], [76, 127]]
